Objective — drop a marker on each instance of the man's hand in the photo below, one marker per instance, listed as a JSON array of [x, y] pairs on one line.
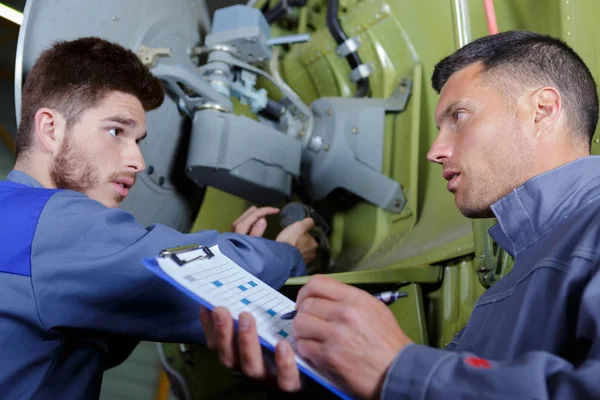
[[297, 235], [343, 330], [253, 222], [347, 332], [246, 354]]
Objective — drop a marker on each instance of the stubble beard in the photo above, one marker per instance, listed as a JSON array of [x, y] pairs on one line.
[[72, 169], [502, 178]]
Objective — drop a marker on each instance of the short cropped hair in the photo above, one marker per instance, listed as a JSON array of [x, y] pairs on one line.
[[527, 58], [72, 76]]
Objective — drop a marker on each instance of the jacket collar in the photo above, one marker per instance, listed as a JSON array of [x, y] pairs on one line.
[[22, 178], [533, 209]]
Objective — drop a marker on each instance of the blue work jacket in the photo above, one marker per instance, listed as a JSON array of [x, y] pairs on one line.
[[535, 334], [75, 297]]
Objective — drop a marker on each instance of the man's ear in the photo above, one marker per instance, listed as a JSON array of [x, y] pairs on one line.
[[547, 104], [49, 129]]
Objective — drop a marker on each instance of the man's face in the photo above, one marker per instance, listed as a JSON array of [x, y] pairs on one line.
[[100, 155], [481, 144]]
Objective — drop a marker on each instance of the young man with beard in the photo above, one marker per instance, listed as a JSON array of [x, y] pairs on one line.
[[516, 116], [74, 295]]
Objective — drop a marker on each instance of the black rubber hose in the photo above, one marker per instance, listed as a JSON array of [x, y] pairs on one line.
[[274, 110], [275, 13], [362, 86], [279, 9]]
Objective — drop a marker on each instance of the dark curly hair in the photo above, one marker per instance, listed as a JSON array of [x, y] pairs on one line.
[[73, 76]]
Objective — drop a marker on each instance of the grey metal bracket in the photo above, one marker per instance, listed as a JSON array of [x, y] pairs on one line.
[[349, 152], [399, 98], [190, 88], [150, 55], [243, 88], [243, 157]]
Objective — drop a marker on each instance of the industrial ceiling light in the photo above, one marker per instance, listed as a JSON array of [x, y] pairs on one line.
[[11, 14]]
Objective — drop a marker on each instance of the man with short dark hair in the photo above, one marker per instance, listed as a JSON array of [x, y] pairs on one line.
[[74, 295], [516, 115]]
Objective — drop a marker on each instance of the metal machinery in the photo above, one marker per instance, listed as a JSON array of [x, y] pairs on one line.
[[323, 102]]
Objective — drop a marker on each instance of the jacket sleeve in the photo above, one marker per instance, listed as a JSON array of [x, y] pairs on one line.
[[87, 271], [454, 342], [420, 372]]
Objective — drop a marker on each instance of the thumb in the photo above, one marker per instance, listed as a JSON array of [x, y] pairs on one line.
[[292, 233], [301, 227]]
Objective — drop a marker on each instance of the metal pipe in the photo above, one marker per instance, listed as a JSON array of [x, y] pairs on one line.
[[173, 373], [205, 21], [462, 22], [490, 16], [289, 39], [303, 20]]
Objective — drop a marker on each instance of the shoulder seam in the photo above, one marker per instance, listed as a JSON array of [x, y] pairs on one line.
[[37, 309]]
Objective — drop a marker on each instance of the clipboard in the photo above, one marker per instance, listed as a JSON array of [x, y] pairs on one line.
[[212, 279]]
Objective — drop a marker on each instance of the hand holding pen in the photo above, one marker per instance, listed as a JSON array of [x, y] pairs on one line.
[[387, 298], [331, 331]]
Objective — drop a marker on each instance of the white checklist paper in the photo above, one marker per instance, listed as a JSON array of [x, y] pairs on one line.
[[220, 282]]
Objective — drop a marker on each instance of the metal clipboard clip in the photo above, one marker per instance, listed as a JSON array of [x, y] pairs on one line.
[[173, 252]]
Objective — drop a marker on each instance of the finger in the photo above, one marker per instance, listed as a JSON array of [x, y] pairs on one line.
[[258, 229], [309, 257], [244, 214], [328, 288], [208, 327], [225, 343], [251, 359], [324, 309], [312, 351], [340, 316], [288, 376], [245, 224], [307, 326], [308, 247], [306, 241], [292, 233]]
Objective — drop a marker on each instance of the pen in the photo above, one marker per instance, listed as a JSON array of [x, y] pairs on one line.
[[386, 297]]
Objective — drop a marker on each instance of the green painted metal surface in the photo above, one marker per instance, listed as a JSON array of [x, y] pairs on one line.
[[442, 258], [446, 259]]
